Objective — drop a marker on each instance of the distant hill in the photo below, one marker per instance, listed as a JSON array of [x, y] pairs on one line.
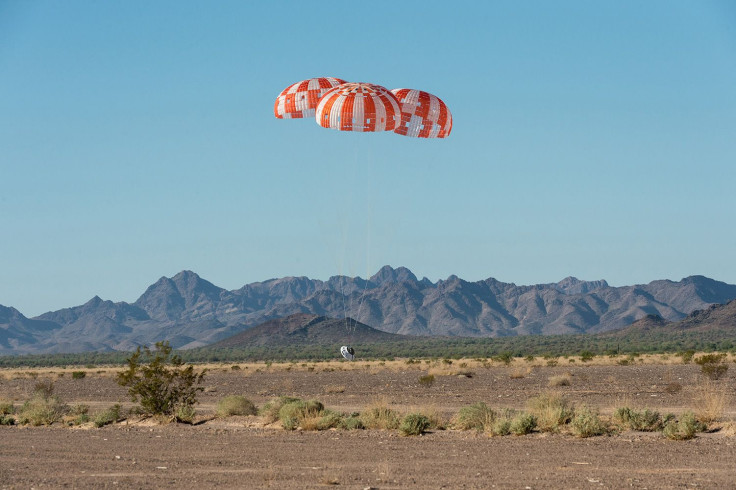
[[305, 329], [191, 312], [715, 318]]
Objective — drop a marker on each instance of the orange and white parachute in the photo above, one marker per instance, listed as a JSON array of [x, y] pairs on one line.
[[365, 107], [423, 115], [358, 107], [300, 99]]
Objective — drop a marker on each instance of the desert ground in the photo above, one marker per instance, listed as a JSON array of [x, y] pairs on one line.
[[246, 452]]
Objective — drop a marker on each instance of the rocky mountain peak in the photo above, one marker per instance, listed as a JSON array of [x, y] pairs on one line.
[[389, 274]]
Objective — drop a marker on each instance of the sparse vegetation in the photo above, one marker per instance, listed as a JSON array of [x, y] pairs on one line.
[[523, 423], [551, 411], [478, 416], [712, 365], [235, 405], [107, 417], [44, 408], [158, 379], [427, 380], [644, 420], [559, 380], [78, 374], [587, 423], [414, 424], [683, 428], [379, 416], [711, 401]]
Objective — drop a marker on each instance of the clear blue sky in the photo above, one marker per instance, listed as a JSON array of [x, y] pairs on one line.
[[137, 139]]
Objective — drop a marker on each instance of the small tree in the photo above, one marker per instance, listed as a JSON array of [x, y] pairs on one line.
[[160, 381]]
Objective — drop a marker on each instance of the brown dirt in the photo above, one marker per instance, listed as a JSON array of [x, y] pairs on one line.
[[239, 452]]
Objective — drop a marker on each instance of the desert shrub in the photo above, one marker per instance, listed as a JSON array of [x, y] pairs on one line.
[[427, 380], [380, 416], [436, 420], [235, 367], [44, 388], [78, 374], [552, 362], [529, 358], [107, 417], [645, 420], [78, 415], [559, 380], [160, 381], [185, 414], [307, 414], [41, 409], [712, 365], [6, 408], [270, 410], [501, 425], [351, 422], [235, 405], [551, 411], [523, 423], [519, 373], [686, 356], [328, 419], [683, 428], [711, 401], [587, 423], [586, 356], [413, 424], [477, 416], [7, 420], [504, 357]]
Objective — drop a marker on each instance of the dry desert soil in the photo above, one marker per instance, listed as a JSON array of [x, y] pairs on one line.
[[243, 452]]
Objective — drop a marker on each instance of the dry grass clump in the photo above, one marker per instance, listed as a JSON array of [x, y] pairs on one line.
[[551, 411], [378, 415], [478, 416], [711, 401], [643, 420], [270, 411], [559, 380], [334, 389], [235, 405], [437, 421], [520, 373], [523, 423], [587, 423]]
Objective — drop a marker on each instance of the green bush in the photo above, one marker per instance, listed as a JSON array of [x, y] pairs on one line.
[[427, 380], [413, 424], [271, 409], [78, 374], [235, 405], [109, 416], [351, 422], [476, 416], [587, 423], [712, 365], [7, 420], [586, 356], [185, 414], [522, 424], [295, 413], [683, 428], [160, 381], [645, 420]]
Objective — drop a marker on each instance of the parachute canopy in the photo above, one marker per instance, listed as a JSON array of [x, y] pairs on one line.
[[423, 115], [300, 99], [358, 107], [365, 107], [347, 352]]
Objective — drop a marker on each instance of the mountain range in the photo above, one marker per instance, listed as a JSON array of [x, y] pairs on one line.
[[189, 311]]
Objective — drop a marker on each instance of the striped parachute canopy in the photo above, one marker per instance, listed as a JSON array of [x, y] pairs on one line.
[[300, 99], [358, 107], [423, 115]]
